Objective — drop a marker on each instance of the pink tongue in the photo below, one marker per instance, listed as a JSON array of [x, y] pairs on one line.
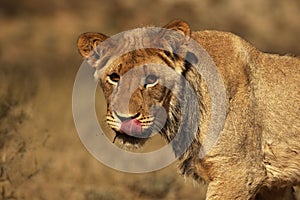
[[131, 127]]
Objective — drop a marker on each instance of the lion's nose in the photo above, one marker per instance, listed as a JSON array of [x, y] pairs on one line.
[[123, 117]]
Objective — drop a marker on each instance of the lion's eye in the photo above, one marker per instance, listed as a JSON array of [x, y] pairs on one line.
[[151, 80], [114, 78]]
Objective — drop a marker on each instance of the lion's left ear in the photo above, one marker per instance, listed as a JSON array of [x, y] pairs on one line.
[[180, 26], [175, 34], [88, 42]]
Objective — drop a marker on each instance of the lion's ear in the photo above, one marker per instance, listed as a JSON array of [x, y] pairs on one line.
[[174, 35], [88, 42], [180, 26]]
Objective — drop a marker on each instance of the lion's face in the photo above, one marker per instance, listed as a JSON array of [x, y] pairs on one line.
[[139, 85]]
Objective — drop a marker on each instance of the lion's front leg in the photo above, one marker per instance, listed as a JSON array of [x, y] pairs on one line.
[[221, 190], [240, 182], [276, 193]]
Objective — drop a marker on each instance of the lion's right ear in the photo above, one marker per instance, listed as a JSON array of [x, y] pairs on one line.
[[87, 42]]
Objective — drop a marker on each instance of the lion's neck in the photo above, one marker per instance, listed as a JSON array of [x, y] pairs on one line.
[[192, 127]]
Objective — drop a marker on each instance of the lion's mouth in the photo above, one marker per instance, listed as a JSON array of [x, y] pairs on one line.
[[132, 132], [131, 127]]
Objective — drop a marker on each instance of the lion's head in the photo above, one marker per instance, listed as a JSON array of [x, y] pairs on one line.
[[145, 89]]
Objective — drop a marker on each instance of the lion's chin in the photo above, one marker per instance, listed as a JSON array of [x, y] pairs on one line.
[[128, 141]]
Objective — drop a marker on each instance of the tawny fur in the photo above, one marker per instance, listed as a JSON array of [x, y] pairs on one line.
[[259, 148]]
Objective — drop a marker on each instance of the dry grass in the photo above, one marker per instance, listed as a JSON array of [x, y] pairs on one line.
[[41, 156]]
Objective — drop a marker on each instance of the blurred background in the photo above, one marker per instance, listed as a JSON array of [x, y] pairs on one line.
[[41, 156]]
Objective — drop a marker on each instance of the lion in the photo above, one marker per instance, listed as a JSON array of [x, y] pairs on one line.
[[258, 149]]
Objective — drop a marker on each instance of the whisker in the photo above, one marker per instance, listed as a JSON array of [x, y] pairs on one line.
[[110, 118], [148, 119]]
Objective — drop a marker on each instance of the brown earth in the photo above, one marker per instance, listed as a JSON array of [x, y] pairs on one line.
[[41, 156]]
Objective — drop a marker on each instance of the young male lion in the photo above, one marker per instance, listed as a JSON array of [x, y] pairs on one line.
[[258, 150]]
